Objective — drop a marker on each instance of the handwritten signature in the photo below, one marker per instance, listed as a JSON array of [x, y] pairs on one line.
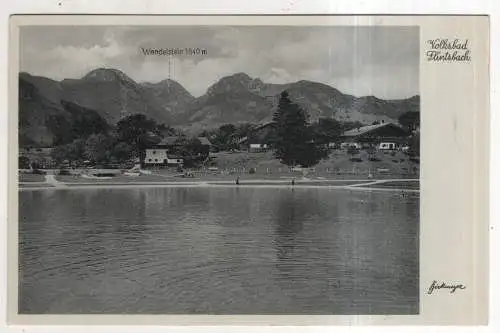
[[443, 285]]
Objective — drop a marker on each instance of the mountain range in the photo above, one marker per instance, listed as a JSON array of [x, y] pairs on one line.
[[237, 98]]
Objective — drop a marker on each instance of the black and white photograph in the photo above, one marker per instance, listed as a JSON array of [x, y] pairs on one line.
[[219, 170]]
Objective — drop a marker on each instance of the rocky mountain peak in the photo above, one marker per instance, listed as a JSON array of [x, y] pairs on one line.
[[107, 75], [235, 99], [232, 83]]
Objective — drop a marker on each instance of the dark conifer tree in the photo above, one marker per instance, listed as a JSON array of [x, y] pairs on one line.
[[293, 141]]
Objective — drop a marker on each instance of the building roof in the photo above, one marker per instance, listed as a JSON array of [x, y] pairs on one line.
[[258, 128], [171, 141], [264, 125], [366, 129], [204, 141], [242, 140], [168, 141]]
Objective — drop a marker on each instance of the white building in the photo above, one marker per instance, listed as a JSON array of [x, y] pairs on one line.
[[258, 147], [160, 156], [387, 146]]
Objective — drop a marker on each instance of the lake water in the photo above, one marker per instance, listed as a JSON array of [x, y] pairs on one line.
[[218, 251]]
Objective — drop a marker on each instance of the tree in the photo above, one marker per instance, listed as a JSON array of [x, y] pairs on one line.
[[131, 128], [61, 128], [88, 123], [293, 142], [410, 120], [83, 122], [225, 137], [164, 130], [139, 132], [327, 130], [73, 151], [191, 149], [243, 130], [197, 149], [122, 151], [414, 145], [23, 162], [98, 148]]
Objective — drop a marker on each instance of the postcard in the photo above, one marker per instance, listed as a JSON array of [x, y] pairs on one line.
[[251, 170]]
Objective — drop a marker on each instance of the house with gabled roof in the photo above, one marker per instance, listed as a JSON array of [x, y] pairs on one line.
[[258, 139], [376, 134], [164, 153]]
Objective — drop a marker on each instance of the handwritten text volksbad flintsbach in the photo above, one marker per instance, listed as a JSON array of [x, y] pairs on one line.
[[448, 50]]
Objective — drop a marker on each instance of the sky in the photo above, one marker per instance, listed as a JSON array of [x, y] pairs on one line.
[[362, 61]]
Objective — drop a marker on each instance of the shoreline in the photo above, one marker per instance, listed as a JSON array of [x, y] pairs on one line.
[[354, 184]]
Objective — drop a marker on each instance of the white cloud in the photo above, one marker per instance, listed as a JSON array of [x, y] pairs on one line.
[[367, 61], [278, 75]]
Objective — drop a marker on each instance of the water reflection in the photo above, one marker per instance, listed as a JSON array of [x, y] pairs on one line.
[[218, 251], [288, 225]]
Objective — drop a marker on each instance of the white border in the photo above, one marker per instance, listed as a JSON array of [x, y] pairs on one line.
[[284, 7]]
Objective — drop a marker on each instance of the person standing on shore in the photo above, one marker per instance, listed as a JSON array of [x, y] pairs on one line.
[[238, 180]]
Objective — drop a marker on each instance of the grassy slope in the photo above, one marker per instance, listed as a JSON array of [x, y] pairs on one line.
[[27, 177], [337, 163], [232, 165]]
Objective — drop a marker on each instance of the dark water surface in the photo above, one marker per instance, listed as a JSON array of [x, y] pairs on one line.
[[218, 251]]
